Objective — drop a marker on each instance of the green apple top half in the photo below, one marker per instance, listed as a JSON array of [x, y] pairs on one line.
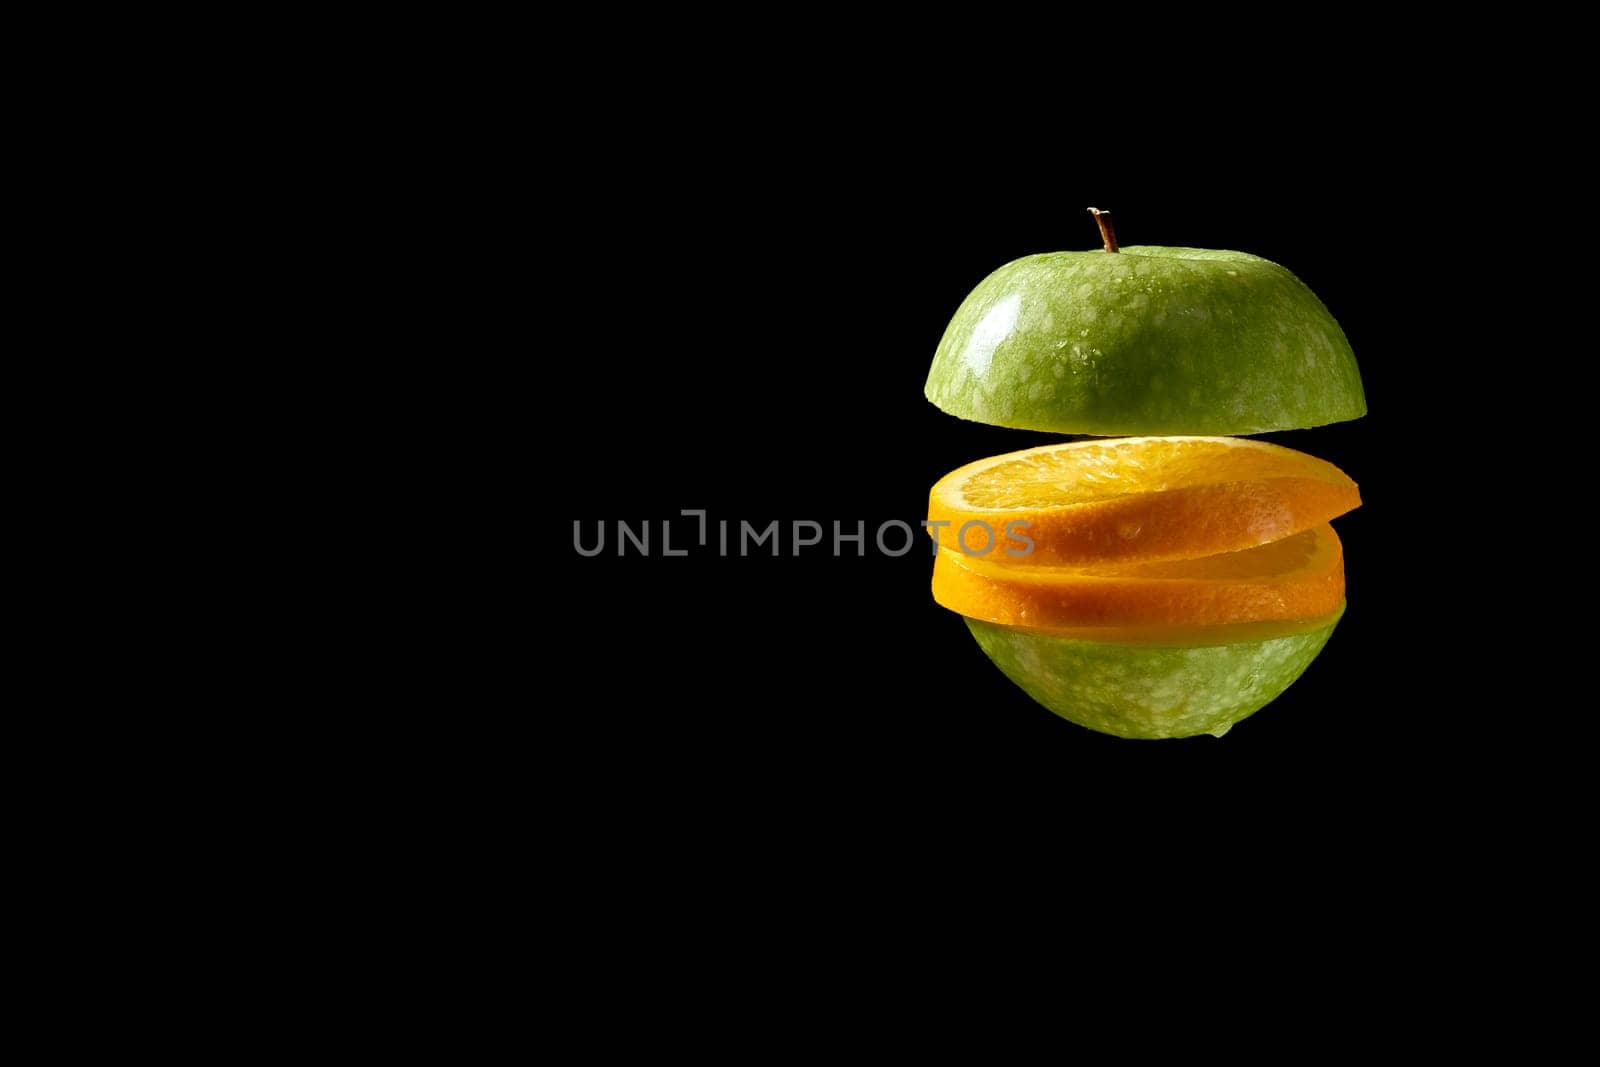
[[1145, 340]]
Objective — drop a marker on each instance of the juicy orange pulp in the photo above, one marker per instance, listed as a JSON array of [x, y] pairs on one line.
[[1183, 540], [1297, 578], [1141, 498]]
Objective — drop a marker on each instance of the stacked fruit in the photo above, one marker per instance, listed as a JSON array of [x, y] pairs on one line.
[[1145, 586]]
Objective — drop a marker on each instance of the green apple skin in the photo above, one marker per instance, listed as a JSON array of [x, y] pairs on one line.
[[1150, 691], [1148, 340]]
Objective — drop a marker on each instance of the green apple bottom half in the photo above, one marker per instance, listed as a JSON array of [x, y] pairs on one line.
[[1147, 340]]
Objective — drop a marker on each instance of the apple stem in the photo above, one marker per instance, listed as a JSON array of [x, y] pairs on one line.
[[1107, 234]]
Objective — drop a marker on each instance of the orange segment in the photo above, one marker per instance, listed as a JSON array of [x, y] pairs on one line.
[[1140, 498], [1298, 578]]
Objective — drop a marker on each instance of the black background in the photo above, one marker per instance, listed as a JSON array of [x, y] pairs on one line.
[[750, 336]]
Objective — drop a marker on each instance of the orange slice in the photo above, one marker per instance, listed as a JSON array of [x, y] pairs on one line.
[[1138, 498], [1298, 578]]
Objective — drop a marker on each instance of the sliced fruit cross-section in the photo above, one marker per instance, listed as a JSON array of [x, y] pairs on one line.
[[1299, 577], [1139, 499]]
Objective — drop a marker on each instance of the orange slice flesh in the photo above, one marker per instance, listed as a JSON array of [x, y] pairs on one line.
[[1295, 579], [1138, 499]]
